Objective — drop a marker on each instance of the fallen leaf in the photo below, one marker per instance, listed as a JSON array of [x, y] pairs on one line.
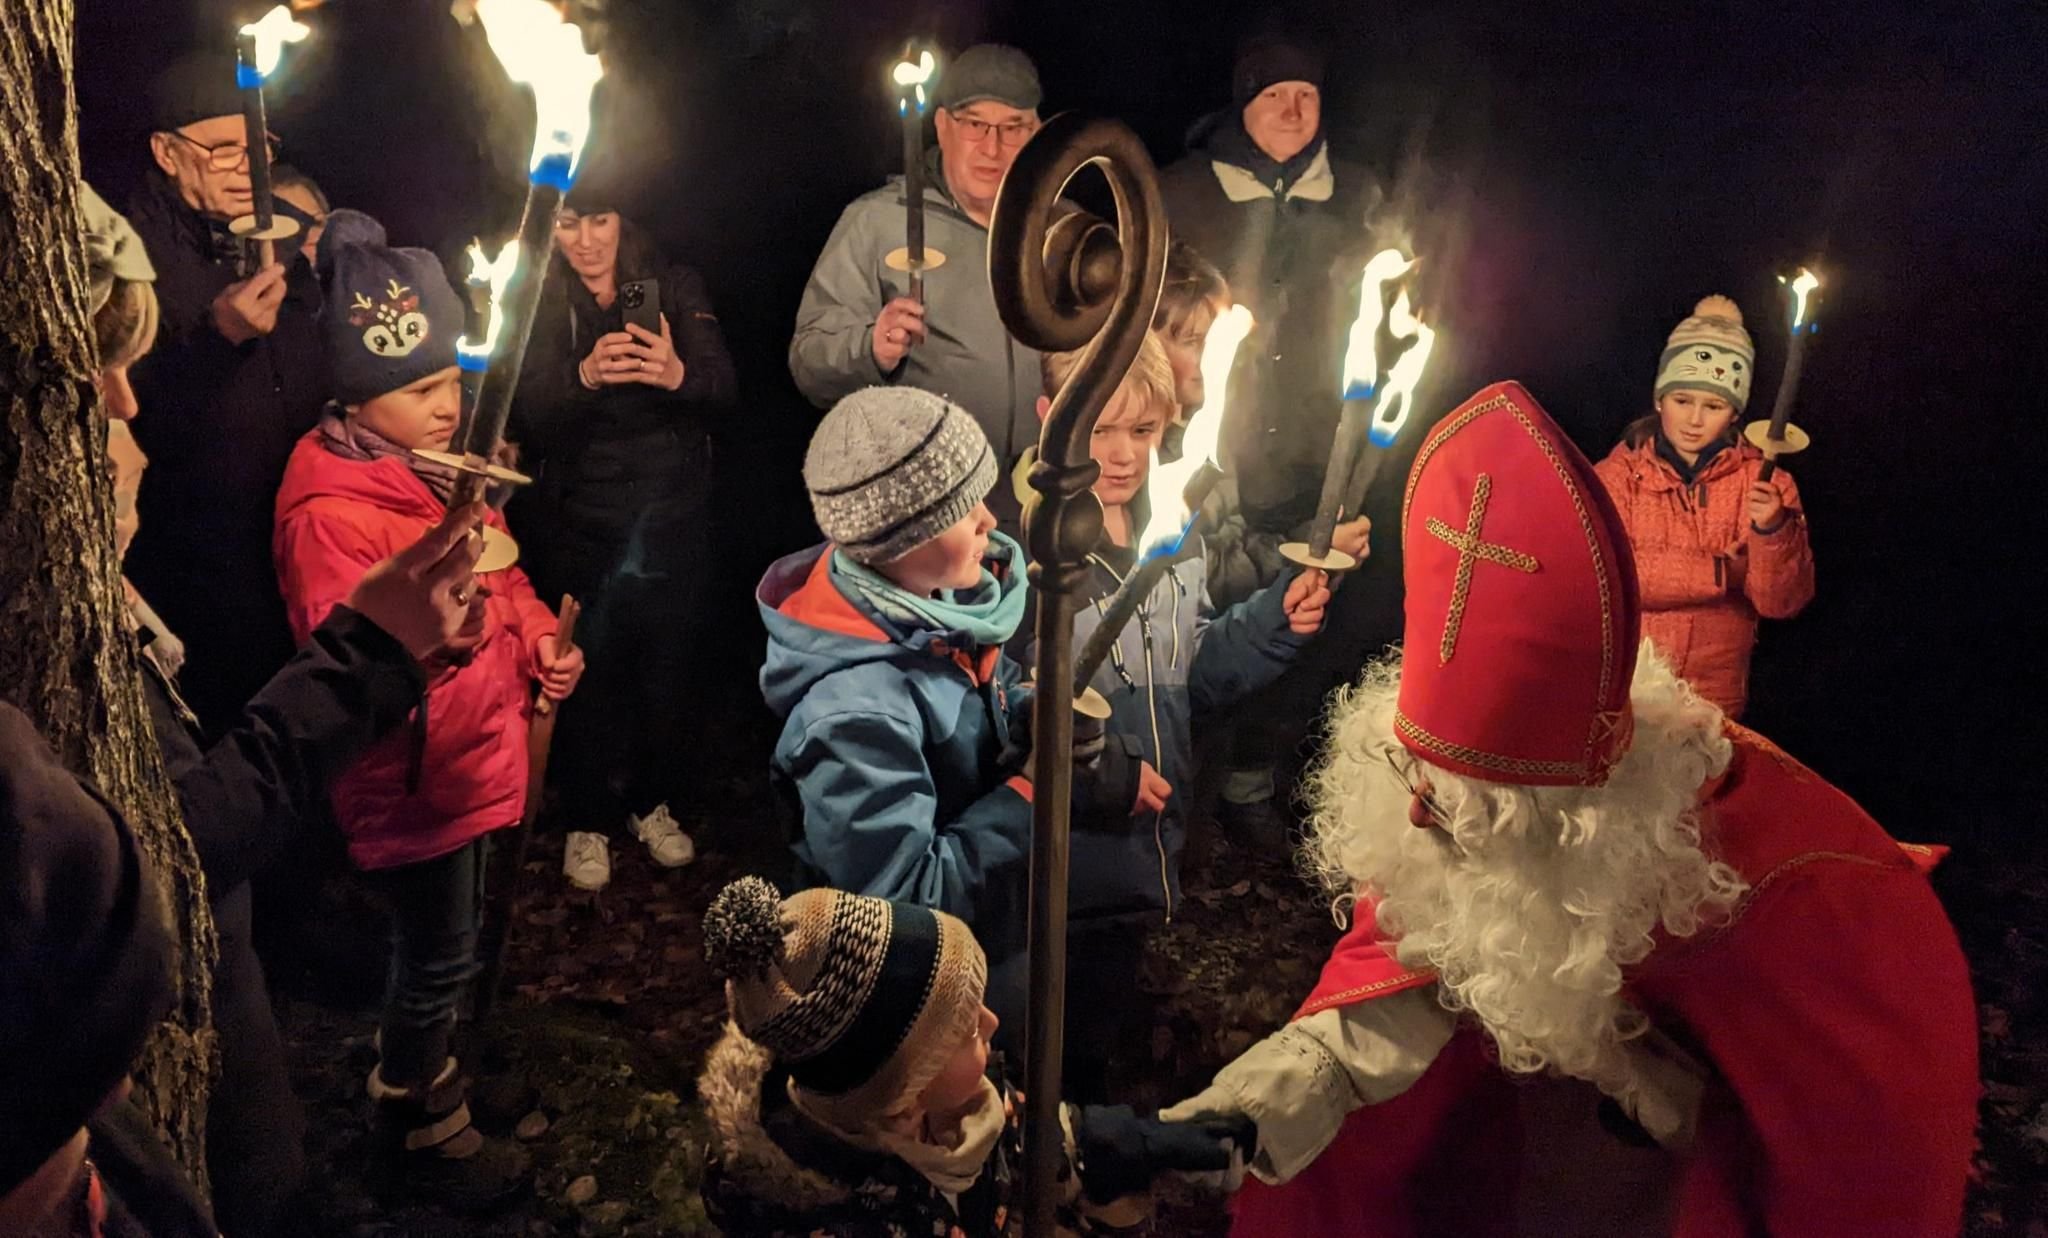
[[581, 1191]]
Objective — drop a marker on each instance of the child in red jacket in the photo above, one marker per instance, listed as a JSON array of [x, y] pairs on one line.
[[418, 807], [1716, 546]]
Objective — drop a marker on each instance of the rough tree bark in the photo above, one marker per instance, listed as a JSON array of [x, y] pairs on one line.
[[66, 659]]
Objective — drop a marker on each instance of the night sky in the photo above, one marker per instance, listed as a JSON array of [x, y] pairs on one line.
[[1576, 179]]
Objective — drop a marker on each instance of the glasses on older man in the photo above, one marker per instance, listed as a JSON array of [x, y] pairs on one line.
[[1012, 135], [1402, 762], [227, 156]]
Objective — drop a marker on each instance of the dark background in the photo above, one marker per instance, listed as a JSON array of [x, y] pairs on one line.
[[1576, 175]]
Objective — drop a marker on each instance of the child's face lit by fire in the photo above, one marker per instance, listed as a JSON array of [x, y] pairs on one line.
[[959, 1083], [952, 560], [590, 242], [421, 414], [1125, 437], [1694, 420]]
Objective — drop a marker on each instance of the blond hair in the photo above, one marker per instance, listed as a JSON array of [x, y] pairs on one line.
[[125, 327], [1149, 380]]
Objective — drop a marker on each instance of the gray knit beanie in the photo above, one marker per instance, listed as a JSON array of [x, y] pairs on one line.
[[891, 468]]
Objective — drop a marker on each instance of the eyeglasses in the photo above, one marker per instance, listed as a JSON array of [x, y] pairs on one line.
[[227, 156], [1403, 764], [1012, 135]]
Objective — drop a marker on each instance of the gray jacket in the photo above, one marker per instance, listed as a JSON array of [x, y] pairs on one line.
[[968, 356]]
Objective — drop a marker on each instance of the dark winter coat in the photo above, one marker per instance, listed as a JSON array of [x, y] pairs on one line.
[[218, 422], [1293, 251], [136, 1187], [898, 750], [771, 1172], [244, 800], [624, 458]]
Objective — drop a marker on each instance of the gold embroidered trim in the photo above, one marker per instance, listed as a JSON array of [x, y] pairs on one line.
[[1406, 727], [1471, 548], [1443, 434], [1338, 998]]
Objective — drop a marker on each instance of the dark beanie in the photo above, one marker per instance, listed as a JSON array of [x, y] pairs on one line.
[[195, 87], [85, 951], [1268, 59], [391, 317]]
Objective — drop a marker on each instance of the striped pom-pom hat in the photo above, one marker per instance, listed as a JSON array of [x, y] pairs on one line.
[[861, 999]]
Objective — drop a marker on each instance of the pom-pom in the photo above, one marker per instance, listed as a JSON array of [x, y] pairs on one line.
[[743, 929], [345, 228], [1718, 306]]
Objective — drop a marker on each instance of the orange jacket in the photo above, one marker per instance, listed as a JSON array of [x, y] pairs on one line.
[[1705, 574]]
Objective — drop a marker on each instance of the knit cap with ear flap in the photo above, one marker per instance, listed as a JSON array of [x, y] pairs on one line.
[[861, 999], [1710, 352]]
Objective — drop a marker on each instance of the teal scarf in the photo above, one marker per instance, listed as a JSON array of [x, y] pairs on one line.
[[987, 614]]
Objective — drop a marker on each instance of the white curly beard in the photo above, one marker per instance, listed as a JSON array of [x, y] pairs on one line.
[[1529, 901]]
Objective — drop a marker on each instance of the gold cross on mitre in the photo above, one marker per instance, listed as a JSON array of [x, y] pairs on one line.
[[1470, 550]]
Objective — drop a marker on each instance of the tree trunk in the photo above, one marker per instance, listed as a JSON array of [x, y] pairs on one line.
[[67, 658]]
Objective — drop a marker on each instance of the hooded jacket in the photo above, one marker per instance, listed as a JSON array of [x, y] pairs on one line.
[[898, 747], [459, 771], [1293, 249], [1707, 575], [968, 357]]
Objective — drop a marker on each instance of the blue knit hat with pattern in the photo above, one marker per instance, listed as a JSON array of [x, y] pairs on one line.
[[391, 317]]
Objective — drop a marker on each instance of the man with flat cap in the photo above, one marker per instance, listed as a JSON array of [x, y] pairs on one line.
[[856, 327], [236, 377]]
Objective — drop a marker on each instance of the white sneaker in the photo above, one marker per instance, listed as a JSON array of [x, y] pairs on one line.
[[666, 842], [587, 861]]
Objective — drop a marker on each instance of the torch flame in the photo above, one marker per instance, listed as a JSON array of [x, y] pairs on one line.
[[1802, 287], [497, 273], [1167, 484], [275, 29], [542, 51], [1392, 392], [915, 74]]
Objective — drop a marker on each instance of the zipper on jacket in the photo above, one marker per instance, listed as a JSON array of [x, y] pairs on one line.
[[1152, 711]]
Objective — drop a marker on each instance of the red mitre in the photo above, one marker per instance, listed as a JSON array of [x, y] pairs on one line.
[[1522, 610]]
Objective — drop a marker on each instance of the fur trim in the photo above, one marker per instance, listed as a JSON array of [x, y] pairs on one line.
[[730, 1087]]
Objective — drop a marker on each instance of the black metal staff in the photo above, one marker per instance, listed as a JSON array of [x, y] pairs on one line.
[[1780, 437], [1062, 280]]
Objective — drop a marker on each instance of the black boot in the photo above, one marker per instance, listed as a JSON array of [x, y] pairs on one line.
[[440, 1155]]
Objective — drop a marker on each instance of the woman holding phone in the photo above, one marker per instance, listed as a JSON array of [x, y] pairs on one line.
[[626, 363]]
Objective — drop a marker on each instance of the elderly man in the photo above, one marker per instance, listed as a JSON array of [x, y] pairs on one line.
[[1561, 859], [237, 376], [855, 328]]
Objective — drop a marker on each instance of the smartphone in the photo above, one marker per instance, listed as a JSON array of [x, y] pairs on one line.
[[641, 300]]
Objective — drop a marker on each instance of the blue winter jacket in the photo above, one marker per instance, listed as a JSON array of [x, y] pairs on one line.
[[1177, 658], [897, 746]]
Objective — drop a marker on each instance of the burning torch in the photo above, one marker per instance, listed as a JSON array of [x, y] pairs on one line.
[[1780, 437], [487, 280], [1388, 350], [537, 48], [1176, 491], [259, 47], [912, 78]]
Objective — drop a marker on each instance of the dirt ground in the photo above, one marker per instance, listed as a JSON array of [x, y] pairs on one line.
[[609, 1010]]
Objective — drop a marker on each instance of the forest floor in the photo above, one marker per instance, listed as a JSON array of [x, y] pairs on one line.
[[609, 1010]]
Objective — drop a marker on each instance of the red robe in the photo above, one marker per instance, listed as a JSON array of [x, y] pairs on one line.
[[1834, 1007]]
